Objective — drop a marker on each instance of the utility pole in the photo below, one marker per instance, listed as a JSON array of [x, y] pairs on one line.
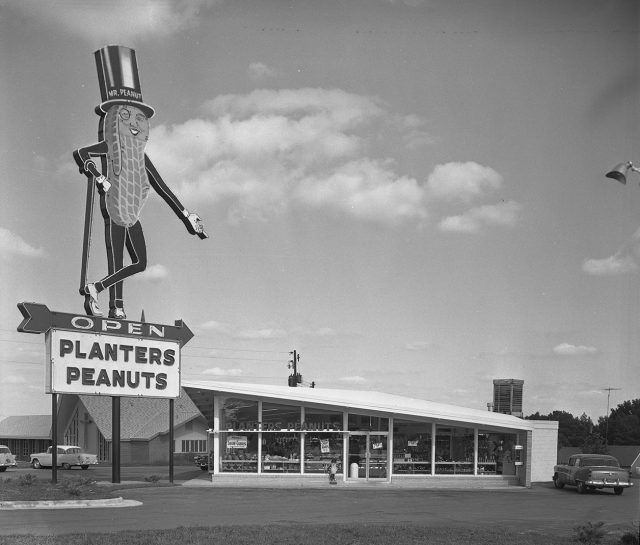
[[295, 378], [606, 429]]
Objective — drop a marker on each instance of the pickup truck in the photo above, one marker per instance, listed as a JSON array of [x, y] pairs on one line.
[[591, 471], [68, 456]]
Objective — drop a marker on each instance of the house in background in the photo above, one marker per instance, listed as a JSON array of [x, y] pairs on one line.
[[85, 421], [26, 434]]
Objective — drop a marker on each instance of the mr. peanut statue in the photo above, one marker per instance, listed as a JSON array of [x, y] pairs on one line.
[[126, 177]]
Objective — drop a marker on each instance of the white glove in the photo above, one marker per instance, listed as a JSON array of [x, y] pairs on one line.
[[195, 225], [103, 183]]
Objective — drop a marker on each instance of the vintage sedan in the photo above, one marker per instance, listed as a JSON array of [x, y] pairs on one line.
[[591, 471], [6, 458], [67, 457]]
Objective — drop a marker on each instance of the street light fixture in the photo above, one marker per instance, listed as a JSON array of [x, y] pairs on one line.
[[620, 171]]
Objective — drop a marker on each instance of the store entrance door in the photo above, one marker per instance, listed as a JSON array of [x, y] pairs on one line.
[[367, 455]]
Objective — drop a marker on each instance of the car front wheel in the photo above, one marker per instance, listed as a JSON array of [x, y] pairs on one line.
[[35, 464], [84, 467], [3, 468], [557, 482], [580, 487], [617, 490], [66, 466]]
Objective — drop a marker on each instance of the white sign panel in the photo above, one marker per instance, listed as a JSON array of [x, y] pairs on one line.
[[237, 441], [96, 364]]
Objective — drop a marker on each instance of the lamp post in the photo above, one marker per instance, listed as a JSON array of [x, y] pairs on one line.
[[620, 171]]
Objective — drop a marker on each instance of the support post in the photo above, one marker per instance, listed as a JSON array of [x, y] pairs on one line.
[[171, 410], [115, 439], [54, 438]]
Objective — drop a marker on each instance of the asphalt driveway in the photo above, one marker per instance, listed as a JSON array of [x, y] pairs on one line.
[[541, 509]]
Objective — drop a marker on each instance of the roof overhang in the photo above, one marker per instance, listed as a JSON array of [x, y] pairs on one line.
[[369, 401]]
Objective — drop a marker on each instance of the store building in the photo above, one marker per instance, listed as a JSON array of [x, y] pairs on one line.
[[265, 434]]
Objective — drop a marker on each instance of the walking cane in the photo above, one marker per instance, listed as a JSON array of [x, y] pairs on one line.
[[88, 221]]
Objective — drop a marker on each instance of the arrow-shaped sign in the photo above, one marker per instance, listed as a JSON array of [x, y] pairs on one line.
[[39, 319]]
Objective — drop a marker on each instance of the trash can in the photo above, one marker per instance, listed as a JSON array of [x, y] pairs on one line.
[[353, 470]]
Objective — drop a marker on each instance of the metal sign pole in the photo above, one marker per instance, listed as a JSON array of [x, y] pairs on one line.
[[171, 410], [115, 439], [54, 438]]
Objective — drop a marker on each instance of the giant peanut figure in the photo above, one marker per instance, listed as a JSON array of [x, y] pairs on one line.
[[126, 177]]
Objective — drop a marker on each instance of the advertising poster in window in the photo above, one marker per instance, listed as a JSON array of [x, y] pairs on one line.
[[237, 441]]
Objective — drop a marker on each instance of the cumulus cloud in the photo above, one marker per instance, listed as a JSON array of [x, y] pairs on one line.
[[258, 334], [462, 181], [219, 372], [215, 326], [12, 244], [154, 273], [118, 20], [259, 70], [624, 261], [566, 349], [354, 379], [419, 346], [610, 266], [263, 152], [471, 221]]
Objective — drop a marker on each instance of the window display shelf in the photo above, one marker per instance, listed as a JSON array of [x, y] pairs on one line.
[[411, 467], [455, 468], [239, 466], [281, 466]]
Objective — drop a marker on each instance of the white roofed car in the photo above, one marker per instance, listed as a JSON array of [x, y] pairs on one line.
[[6, 458], [67, 457]]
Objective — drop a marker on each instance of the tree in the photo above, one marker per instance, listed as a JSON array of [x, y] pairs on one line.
[[624, 424], [572, 431]]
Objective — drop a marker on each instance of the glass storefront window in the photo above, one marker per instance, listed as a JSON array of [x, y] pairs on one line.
[[239, 414], [238, 452], [454, 450], [320, 449], [280, 452], [280, 417], [496, 453], [411, 447], [365, 422]]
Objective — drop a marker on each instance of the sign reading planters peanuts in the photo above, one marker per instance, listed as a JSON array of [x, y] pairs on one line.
[[110, 365], [102, 356], [124, 179]]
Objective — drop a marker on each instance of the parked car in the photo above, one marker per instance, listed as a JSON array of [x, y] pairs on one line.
[[6, 458], [68, 456], [202, 461], [591, 471]]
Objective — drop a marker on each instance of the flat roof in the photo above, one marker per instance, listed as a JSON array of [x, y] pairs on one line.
[[361, 400]]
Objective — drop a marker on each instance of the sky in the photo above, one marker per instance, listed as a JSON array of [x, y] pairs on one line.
[[410, 194]]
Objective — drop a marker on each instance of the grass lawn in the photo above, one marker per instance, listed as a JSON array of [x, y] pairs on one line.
[[298, 534], [30, 488]]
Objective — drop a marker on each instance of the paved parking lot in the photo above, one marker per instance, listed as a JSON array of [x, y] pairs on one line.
[[541, 509]]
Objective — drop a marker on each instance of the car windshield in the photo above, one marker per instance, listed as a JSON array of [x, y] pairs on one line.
[[73, 450], [5, 450], [602, 462]]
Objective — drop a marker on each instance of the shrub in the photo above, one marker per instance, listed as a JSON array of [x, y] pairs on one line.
[[590, 533], [73, 488], [152, 478], [628, 539], [27, 480]]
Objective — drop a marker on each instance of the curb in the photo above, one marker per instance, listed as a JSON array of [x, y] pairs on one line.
[[68, 504]]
